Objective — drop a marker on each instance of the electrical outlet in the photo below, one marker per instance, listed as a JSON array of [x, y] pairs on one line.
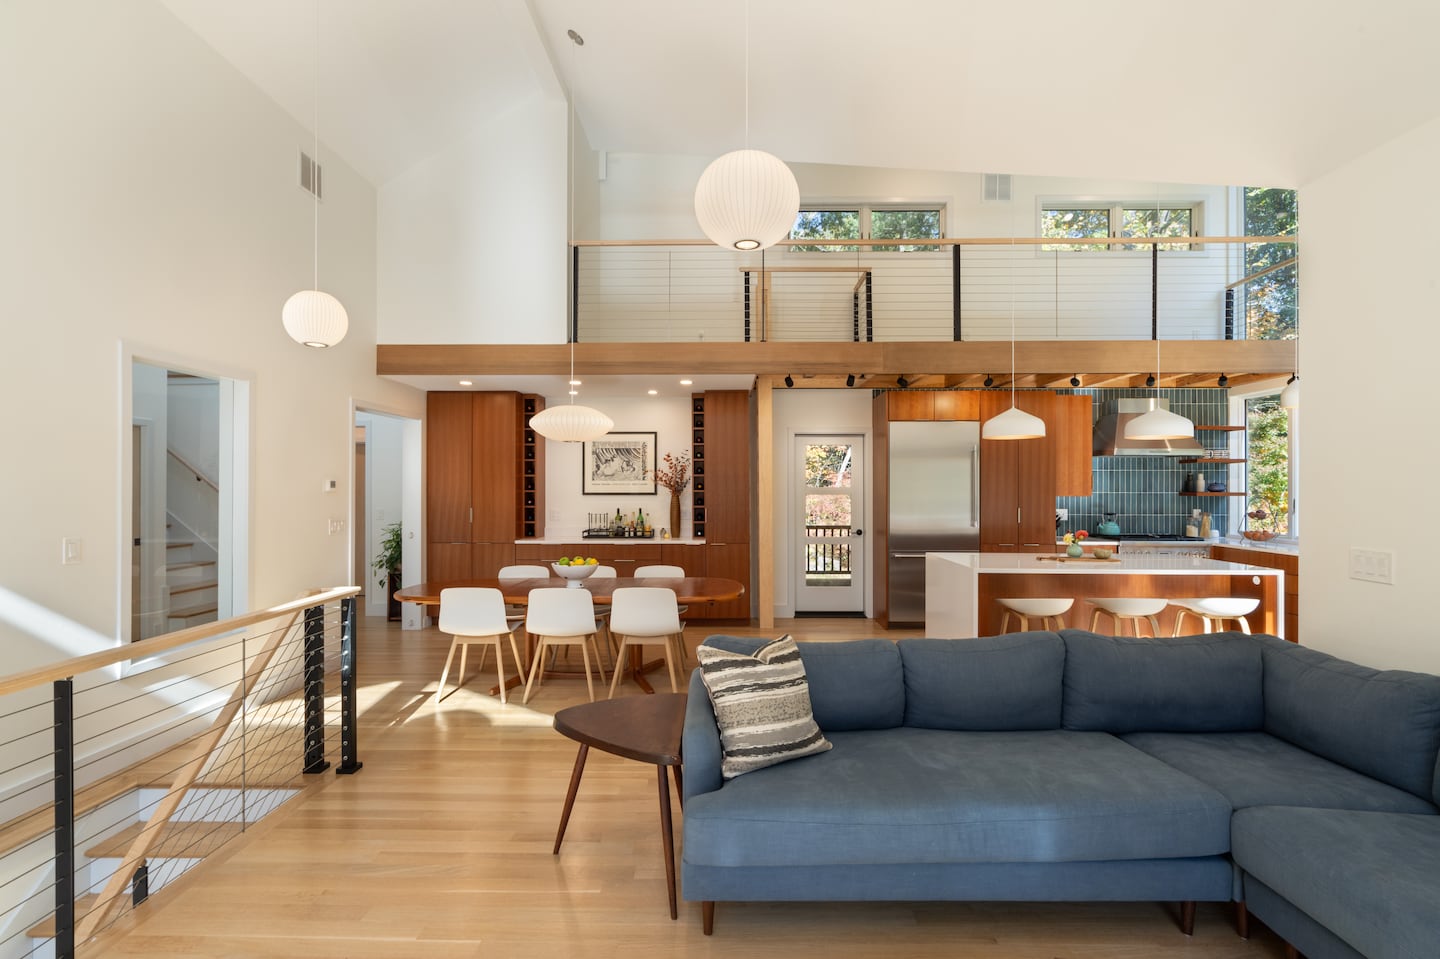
[[1061, 514], [1372, 565]]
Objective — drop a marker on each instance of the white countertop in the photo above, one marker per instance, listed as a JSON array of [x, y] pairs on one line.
[[1140, 562], [636, 541], [1269, 546], [1092, 541]]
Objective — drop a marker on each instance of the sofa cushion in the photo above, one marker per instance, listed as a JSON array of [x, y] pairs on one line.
[[923, 795], [857, 684], [1257, 769], [1385, 723], [1371, 878], [762, 705], [1190, 684], [1009, 682]]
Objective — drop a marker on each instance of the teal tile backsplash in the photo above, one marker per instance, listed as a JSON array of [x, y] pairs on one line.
[[1144, 491]]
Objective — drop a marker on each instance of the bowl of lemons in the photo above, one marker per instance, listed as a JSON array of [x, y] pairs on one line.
[[574, 569]]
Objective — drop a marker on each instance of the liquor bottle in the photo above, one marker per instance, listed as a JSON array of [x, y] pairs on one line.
[[619, 523], [639, 522]]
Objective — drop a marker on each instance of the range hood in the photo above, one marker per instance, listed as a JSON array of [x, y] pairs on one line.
[[1110, 434]]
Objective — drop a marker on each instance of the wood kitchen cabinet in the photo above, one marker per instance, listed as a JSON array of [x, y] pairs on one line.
[[473, 468], [1074, 428], [1017, 479]]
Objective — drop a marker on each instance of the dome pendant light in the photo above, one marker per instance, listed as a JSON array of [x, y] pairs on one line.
[[747, 199], [1014, 423], [571, 423], [1159, 424], [313, 317]]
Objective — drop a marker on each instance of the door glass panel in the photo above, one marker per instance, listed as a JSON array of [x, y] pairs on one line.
[[828, 515]]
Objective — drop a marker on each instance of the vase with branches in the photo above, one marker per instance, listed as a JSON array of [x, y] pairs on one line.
[[673, 473]]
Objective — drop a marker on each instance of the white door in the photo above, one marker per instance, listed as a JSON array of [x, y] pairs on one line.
[[828, 507]]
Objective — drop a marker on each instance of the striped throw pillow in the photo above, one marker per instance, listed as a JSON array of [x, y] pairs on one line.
[[762, 705]]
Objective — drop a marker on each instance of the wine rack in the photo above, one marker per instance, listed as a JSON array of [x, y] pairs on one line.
[[530, 496], [697, 464]]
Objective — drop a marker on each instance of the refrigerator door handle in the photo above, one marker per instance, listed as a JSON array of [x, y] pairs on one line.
[[908, 554], [974, 487]]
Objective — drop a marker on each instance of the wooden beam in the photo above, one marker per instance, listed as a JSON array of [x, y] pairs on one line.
[[1091, 358]]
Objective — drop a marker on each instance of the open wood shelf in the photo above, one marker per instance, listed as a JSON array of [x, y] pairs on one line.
[[1209, 459], [1208, 493], [1221, 429]]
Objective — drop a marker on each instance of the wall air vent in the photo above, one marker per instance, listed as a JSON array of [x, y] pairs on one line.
[[997, 188], [312, 176]]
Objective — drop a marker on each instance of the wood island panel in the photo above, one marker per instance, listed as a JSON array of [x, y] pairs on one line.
[[1270, 559]]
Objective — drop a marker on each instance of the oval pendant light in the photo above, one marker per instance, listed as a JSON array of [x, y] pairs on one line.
[[571, 423]]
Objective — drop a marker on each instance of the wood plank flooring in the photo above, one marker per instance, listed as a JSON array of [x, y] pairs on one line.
[[440, 847]]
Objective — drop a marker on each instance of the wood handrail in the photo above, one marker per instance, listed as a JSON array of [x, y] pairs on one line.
[[193, 468], [1269, 269], [15, 682], [971, 241]]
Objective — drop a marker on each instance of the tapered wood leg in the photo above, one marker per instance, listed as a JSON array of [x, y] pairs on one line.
[[1244, 625], [679, 786], [464, 651], [535, 668], [589, 681], [499, 668], [484, 655], [599, 663], [519, 663], [1095, 622], [575, 775], [440, 693], [1291, 952], [667, 836], [1187, 917], [1154, 627], [707, 917], [670, 664], [1242, 921], [1180, 612], [619, 667]]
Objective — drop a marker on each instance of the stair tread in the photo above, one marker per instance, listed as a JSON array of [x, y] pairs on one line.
[[192, 564], [177, 840], [193, 587], [178, 544], [185, 612], [45, 928]]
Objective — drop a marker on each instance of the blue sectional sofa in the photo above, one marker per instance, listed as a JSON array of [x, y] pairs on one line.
[[1074, 766]]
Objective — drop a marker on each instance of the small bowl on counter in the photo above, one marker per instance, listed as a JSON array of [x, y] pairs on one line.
[[1101, 552]]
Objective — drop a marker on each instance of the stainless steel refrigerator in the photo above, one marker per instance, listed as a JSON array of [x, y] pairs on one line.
[[934, 505]]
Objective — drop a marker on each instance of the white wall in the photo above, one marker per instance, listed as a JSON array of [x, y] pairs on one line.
[[813, 411], [566, 506], [152, 210], [472, 242], [1369, 335]]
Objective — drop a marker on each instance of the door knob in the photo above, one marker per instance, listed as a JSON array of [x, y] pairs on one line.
[[858, 532]]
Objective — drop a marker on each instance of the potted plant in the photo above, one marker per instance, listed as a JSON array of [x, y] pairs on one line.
[[387, 564]]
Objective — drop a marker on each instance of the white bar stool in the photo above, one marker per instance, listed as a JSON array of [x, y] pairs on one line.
[[1128, 609], [1043, 609], [1213, 611]]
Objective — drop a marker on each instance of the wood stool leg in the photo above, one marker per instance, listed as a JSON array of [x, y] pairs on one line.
[[575, 775], [1180, 612], [667, 835], [1244, 625], [1095, 622], [1154, 627], [1005, 622]]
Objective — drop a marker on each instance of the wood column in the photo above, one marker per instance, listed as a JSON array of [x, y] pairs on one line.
[[765, 501]]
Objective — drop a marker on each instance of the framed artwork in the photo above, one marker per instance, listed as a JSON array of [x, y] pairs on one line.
[[618, 463]]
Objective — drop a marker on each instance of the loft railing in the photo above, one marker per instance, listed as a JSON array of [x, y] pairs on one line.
[[122, 769], [952, 289]]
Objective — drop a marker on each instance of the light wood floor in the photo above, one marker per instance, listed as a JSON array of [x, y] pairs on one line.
[[440, 847]]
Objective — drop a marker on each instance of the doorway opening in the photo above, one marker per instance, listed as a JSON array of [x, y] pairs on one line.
[[187, 520], [387, 497], [828, 569]]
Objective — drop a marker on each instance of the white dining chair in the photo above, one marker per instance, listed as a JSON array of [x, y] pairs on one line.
[[475, 616], [644, 616], [516, 614], [665, 571], [602, 614], [559, 617]]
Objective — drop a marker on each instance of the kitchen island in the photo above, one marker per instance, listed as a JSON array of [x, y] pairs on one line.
[[961, 589]]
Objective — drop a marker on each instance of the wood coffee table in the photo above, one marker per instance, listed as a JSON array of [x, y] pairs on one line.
[[643, 728]]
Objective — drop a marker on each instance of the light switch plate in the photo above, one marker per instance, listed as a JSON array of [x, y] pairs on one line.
[[1372, 565], [71, 551]]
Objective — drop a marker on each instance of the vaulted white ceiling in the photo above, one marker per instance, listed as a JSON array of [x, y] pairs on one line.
[[1270, 93]]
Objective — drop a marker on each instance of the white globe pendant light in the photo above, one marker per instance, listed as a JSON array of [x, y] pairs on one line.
[[313, 317], [1159, 424], [1014, 423], [571, 423], [747, 200], [1290, 395]]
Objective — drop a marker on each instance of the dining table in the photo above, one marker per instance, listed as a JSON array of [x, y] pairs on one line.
[[689, 591]]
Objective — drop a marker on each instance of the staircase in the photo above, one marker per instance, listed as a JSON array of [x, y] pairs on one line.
[[192, 583]]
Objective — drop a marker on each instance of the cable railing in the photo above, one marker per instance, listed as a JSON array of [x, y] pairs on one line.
[[123, 769], [953, 289]]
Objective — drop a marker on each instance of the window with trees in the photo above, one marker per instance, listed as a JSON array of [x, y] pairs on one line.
[[869, 221], [1093, 220], [1272, 294], [1267, 464]]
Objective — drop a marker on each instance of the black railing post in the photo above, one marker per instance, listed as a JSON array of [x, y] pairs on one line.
[[747, 305], [955, 290], [855, 316], [574, 294], [314, 679], [1230, 314], [140, 884], [349, 715], [64, 819], [1154, 291], [869, 307]]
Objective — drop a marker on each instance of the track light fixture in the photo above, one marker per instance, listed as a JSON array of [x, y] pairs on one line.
[[1223, 381], [902, 382], [1150, 381], [849, 379], [989, 381], [1075, 380], [789, 381]]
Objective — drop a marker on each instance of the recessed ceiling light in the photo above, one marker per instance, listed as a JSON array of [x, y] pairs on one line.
[[653, 392], [466, 383], [687, 382], [574, 392], [574, 382]]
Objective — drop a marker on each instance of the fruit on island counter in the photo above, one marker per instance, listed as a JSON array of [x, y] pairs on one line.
[[577, 561]]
